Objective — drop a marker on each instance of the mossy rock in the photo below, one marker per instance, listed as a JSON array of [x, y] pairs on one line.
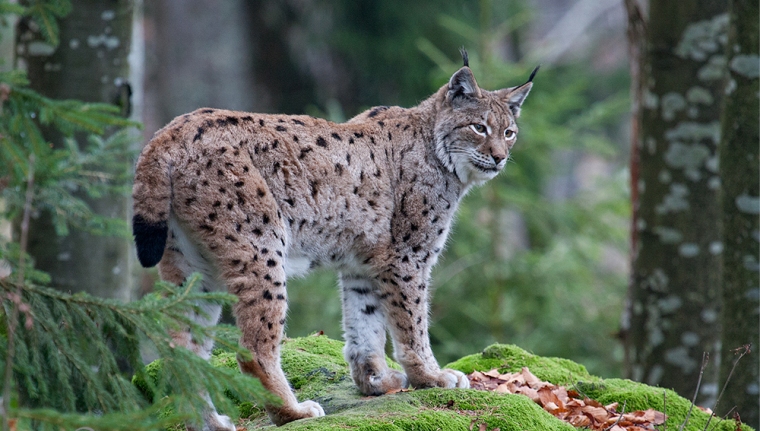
[[508, 358], [316, 369]]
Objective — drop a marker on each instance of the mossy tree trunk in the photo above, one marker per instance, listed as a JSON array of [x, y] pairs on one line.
[[741, 206], [675, 292], [89, 64]]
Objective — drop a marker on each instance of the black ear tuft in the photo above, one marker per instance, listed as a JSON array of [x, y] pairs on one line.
[[533, 74], [465, 57]]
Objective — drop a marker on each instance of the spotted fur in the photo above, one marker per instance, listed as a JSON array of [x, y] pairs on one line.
[[250, 199]]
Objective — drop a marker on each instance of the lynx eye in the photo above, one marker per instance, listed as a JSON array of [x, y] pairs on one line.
[[509, 133], [479, 128]]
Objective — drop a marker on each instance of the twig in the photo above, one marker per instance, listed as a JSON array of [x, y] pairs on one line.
[[664, 406], [16, 297], [705, 359], [744, 350], [724, 417], [620, 416]]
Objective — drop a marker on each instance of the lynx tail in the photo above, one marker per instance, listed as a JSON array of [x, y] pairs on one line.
[[152, 199]]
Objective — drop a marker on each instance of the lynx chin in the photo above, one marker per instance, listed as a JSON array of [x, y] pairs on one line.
[[249, 200]]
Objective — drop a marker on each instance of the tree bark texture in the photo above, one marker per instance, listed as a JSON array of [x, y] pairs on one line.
[[197, 55], [675, 303], [741, 206], [89, 64]]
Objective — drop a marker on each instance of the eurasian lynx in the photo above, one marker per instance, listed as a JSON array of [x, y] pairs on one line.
[[249, 200]]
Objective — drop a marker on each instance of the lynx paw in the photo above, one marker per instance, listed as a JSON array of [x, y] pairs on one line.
[[453, 379], [310, 409], [445, 378], [213, 421], [306, 409], [381, 383]]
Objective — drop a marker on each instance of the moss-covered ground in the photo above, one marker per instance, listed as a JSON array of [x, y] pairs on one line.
[[316, 369]]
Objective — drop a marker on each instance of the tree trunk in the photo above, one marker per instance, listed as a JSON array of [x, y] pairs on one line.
[[741, 206], [677, 261], [89, 64], [206, 64]]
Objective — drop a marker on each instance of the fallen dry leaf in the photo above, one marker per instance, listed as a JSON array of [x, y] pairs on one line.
[[567, 405]]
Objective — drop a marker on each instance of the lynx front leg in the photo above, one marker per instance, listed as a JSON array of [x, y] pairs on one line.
[[364, 332], [406, 306]]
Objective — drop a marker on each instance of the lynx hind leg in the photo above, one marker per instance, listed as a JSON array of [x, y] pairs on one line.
[[174, 268], [243, 233], [364, 333], [260, 314]]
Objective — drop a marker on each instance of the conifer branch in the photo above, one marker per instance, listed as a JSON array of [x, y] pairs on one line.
[[15, 302]]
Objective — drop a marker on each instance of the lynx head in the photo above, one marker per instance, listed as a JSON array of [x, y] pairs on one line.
[[475, 129]]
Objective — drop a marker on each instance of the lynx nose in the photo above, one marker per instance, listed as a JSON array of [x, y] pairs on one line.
[[497, 158]]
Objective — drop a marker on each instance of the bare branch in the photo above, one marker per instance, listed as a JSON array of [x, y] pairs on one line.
[[705, 360]]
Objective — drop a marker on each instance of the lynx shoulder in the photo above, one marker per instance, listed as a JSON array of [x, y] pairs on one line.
[[249, 200]]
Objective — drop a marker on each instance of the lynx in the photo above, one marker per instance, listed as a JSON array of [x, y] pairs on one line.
[[249, 200]]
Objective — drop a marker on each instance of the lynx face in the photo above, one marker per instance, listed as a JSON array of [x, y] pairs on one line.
[[249, 200], [476, 130]]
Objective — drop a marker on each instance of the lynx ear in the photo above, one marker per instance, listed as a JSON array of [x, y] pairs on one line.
[[515, 96], [462, 85]]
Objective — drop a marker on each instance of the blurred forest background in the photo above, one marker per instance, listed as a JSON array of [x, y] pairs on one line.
[[540, 257]]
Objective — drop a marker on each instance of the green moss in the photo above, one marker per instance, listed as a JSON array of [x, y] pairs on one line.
[[438, 409], [638, 396], [510, 358], [317, 371], [312, 363], [153, 372]]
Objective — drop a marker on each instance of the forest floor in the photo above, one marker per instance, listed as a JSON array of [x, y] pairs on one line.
[[512, 390]]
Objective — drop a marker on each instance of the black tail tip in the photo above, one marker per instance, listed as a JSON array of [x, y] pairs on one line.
[[150, 239]]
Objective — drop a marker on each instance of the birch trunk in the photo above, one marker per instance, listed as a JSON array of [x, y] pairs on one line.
[[675, 295], [89, 64], [741, 205]]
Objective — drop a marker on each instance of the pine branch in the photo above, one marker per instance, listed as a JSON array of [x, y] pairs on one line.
[[66, 360], [15, 298]]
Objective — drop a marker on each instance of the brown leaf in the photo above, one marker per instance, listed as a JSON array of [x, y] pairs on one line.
[[503, 389], [551, 407], [590, 402], [546, 396], [566, 405], [529, 392], [492, 373], [598, 413], [579, 421], [529, 377]]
